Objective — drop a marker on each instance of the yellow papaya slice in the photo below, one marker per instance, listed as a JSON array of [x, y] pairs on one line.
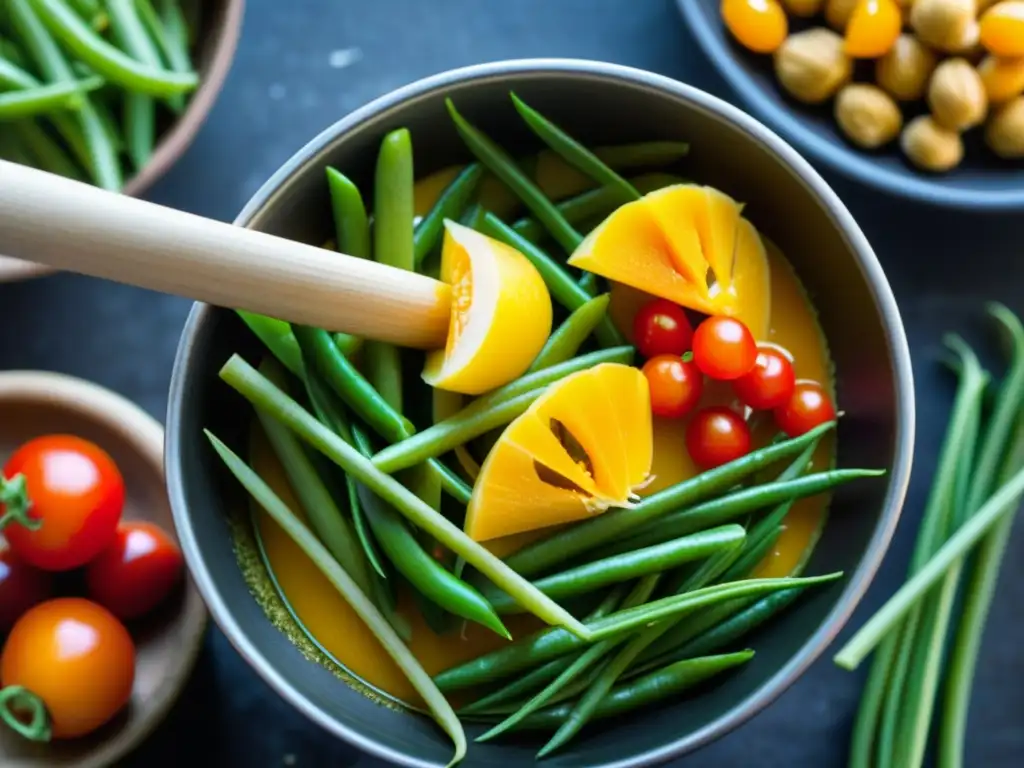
[[677, 210]]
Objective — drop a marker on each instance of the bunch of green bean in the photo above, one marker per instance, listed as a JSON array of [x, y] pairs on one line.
[[372, 480], [87, 86], [926, 643]]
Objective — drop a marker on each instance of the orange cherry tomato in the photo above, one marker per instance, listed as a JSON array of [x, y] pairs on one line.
[[758, 25], [70, 504], [807, 407], [716, 436], [21, 587], [724, 348], [675, 384], [136, 571], [873, 29], [73, 657]]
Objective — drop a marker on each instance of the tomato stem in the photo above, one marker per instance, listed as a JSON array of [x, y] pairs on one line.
[[15, 699], [14, 497]]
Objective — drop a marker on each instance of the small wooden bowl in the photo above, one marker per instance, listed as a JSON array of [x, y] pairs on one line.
[[167, 643], [220, 28]]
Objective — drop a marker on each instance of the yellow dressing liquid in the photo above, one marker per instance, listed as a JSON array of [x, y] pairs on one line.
[[337, 628]]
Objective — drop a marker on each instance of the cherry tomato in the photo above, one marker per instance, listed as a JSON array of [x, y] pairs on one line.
[[77, 658], [716, 436], [662, 328], [21, 587], [75, 495], [676, 385], [136, 571], [807, 407], [770, 383], [724, 348]]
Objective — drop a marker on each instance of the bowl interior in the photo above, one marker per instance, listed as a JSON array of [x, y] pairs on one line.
[[33, 404], [982, 181], [604, 105]]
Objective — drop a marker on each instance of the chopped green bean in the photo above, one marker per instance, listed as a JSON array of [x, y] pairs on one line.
[[263, 394], [347, 588]]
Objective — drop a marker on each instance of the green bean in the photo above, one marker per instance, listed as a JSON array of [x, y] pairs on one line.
[[171, 38], [574, 153], [498, 162], [546, 672], [351, 225], [109, 124], [277, 337], [13, 76], [105, 59], [87, 136], [561, 686], [45, 98], [565, 342], [563, 288], [588, 283], [263, 394], [179, 33], [551, 643], [651, 689], [759, 550], [450, 205], [48, 154], [139, 108], [591, 576], [9, 50], [650, 153], [494, 409], [323, 515], [13, 150], [358, 393], [614, 524], [349, 590]]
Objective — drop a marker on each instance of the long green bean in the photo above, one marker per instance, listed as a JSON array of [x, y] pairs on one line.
[[263, 394], [600, 573], [87, 136], [323, 515], [566, 340], [13, 76], [351, 224], [551, 643], [169, 33], [563, 288], [370, 615], [139, 108], [644, 691], [574, 153], [44, 99], [450, 205], [493, 409], [46, 153], [107, 60], [647, 153], [498, 162]]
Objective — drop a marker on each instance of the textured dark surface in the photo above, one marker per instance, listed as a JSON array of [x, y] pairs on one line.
[[281, 92]]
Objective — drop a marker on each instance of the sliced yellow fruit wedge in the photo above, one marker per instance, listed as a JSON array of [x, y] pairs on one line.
[[688, 244], [500, 317], [559, 462]]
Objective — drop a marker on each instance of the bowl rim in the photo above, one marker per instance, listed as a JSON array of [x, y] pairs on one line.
[[174, 142], [852, 163], [857, 583], [146, 436]]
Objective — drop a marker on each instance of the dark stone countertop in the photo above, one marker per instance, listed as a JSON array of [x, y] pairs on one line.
[[301, 66]]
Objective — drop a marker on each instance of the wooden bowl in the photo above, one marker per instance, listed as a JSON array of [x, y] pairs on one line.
[[220, 27], [168, 642]]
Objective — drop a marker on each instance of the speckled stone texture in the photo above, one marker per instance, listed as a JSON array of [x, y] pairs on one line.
[[302, 65]]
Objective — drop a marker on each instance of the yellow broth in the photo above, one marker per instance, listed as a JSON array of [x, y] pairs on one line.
[[334, 625]]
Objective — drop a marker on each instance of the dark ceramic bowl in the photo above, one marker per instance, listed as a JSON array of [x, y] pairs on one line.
[[982, 183], [220, 25], [599, 103]]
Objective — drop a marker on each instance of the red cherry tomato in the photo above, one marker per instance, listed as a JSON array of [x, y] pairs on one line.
[[807, 407], [769, 383], [724, 348], [75, 659], [21, 587], [136, 571], [676, 385], [662, 328], [74, 495], [716, 436]]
